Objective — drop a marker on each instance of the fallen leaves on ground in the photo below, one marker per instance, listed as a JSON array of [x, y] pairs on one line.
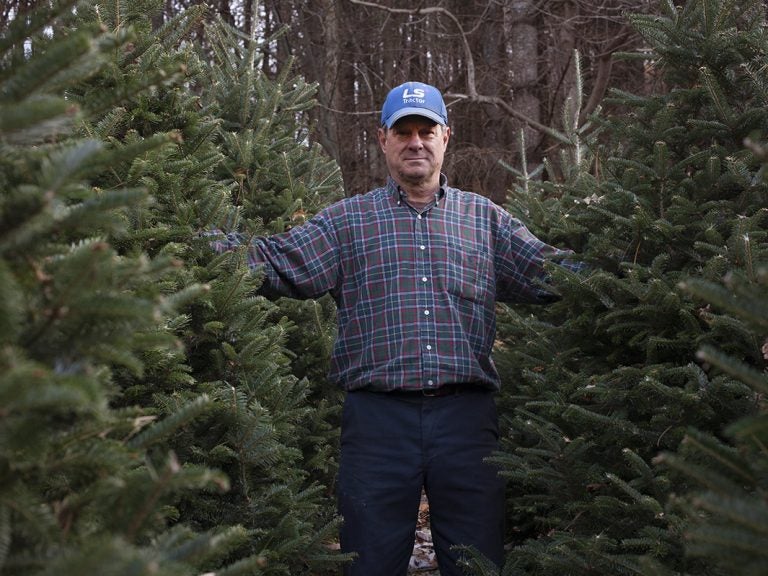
[[423, 560]]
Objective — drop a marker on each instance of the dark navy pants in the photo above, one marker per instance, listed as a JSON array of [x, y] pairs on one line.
[[391, 447]]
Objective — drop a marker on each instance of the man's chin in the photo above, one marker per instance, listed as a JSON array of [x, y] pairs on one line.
[[414, 176]]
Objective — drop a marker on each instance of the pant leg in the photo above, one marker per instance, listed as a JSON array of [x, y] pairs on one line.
[[466, 495], [380, 481]]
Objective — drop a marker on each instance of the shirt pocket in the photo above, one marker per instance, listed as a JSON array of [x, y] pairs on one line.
[[469, 274]]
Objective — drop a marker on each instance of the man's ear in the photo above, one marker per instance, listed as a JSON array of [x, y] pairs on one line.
[[382, 138]]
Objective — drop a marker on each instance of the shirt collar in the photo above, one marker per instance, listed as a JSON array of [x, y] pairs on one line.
[[398, 195]]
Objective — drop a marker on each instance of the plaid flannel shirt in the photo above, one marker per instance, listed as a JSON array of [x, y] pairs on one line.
[[416, 290]]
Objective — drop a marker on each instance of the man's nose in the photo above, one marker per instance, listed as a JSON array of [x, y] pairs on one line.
[[415, 140]]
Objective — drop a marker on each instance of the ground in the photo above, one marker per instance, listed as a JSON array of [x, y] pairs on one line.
[[423, 561]]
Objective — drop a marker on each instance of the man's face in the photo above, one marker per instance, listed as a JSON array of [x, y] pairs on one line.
[[414, 149]]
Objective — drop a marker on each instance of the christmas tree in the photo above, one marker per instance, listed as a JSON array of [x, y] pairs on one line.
[[80, 492], [598, 385], [150, 419]]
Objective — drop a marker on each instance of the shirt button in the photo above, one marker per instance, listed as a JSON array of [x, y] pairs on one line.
[[426, 312], [430, 382], [423, 278], [419, 216], [429, 347], [422, 247]]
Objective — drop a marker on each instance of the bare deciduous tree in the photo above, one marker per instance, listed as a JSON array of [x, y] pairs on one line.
[[503, 65]]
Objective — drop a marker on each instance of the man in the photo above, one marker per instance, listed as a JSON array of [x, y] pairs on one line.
[[416, 268]]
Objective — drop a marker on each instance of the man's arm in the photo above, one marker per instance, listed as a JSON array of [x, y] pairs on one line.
[[520, 258], [300, 263]]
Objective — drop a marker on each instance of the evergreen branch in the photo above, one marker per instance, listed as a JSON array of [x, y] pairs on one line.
[[117, 356], [163, 429], [82, 215], [48, 72], [170, 33], [706, 476], [752, 431], [183, 297], [754, 378], [203, 548], [172, 468], [574, 413], [717, 96], [28, 388], [752, 309], [750, 514], [27, 512], [472, 560], [253, 565], [32, 120], [644, 500], [5, 533], [95, 103], [638, 464], [11, 297], [64, 165], [33, 23]]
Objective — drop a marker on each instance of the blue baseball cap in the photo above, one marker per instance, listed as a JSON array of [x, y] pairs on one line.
[[414, 98]]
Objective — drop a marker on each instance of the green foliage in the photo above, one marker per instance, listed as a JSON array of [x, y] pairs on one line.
[[282, 179], [150, 419], [663, 202], [76, 311], [726, 511]]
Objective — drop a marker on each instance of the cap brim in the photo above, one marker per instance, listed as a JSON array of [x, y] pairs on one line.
[[414, 112]]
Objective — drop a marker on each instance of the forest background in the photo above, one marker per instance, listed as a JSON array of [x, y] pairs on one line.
[[158, 418]]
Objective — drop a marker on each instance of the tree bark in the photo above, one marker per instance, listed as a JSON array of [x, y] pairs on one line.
[[522, 51]]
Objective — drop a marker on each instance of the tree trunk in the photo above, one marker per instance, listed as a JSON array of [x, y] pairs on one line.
[[522, 48]]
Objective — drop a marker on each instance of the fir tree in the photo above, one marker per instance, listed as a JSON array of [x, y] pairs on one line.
[[80, 493], [726, 513], [602, 382], [262, 429], [130, 376], [280, 180]]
